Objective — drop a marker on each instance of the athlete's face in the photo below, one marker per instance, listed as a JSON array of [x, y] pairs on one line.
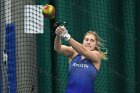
[[90, 41]]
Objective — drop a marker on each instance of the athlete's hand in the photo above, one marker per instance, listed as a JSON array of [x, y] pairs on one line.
[[63, 33]]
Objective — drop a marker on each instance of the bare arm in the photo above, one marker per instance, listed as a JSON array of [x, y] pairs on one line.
[[94, 56], [65, 50]]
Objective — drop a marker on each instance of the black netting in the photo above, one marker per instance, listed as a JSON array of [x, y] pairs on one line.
[[28, 63]]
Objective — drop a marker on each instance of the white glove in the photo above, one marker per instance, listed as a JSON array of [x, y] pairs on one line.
[[65, 35]]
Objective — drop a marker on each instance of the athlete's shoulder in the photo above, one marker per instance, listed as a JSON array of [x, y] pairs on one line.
[[73, 56]]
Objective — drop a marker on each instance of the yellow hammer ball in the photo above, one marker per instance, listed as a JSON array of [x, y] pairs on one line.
[[48, 11]]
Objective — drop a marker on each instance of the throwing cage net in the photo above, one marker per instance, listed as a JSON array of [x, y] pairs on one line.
[[29, 64]]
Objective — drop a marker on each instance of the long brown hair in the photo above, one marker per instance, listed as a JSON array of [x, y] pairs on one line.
[[100, 44]]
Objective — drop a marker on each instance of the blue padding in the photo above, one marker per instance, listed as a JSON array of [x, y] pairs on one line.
[[11, 61]]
